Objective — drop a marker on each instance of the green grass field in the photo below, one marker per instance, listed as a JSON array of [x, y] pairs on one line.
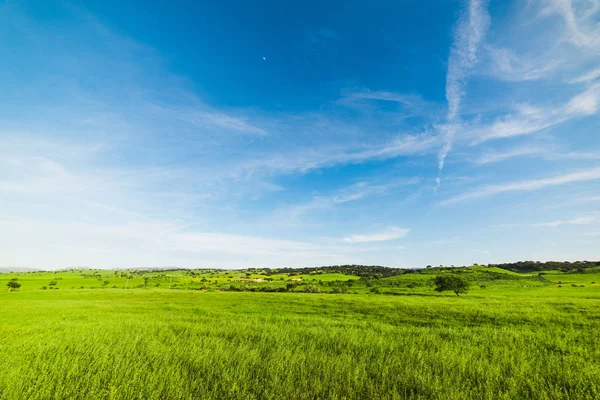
[[513, 336]]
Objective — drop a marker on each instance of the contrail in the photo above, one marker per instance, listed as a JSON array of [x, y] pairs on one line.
[[469, 32]]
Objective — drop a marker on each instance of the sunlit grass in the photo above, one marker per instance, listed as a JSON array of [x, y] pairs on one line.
[[162, 343]]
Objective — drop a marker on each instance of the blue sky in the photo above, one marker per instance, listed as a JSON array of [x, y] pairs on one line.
[[265, 134]]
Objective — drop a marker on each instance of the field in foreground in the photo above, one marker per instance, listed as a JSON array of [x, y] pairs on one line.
[[189, 344]]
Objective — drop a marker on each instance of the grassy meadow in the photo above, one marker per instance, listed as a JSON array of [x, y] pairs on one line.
[[211, 334]]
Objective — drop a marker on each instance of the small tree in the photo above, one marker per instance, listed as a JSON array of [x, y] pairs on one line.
[[454, 283], [13, 285]]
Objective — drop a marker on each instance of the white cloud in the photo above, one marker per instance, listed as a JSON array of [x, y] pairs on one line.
[[392, 233], [506, 65], [527, 120], [584, 220], [546, 153], [482, 251], [469, 33], [522, 186], [586, 77], [352, 193], [494, 157], [586, 103], [306, 160], [588, 199], [580, 17], [221, 120], [413, 104]]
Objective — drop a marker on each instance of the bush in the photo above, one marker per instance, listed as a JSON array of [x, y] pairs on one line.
[[311, 289]]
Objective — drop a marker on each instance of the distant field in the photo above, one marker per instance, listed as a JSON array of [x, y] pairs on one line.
[[512, 336]]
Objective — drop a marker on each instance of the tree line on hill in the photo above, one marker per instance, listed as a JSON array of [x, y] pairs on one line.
[[379, 271], [531, 266], [356, 270]]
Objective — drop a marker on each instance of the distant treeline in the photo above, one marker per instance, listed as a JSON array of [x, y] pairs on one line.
[[529, 266], [369, 271], [356, 270], [384, 272]]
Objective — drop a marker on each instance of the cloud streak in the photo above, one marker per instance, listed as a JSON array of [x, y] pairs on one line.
[[393, 233], [469, 33], [585, 220], [545, 153], [494, 157], [527, 120], [524, 186], [580, 17]]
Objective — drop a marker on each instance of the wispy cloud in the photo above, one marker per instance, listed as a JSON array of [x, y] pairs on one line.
[[505, 64], [584, 220], [469, 33], [527, 120], [523, 186], [494, 157], [220, 120], [523, 51], [545, 153], [587, 77], [586, 103], [412, 104], [580, 18], [353, 193], [305, 160], [392, 233]]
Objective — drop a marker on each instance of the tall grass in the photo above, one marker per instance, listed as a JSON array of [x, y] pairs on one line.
[[92, 344]]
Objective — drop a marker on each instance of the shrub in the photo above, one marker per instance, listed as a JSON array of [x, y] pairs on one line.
[[311, 289]]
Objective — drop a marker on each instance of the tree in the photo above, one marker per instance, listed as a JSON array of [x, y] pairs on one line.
[[13, 285], [454, 283]]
